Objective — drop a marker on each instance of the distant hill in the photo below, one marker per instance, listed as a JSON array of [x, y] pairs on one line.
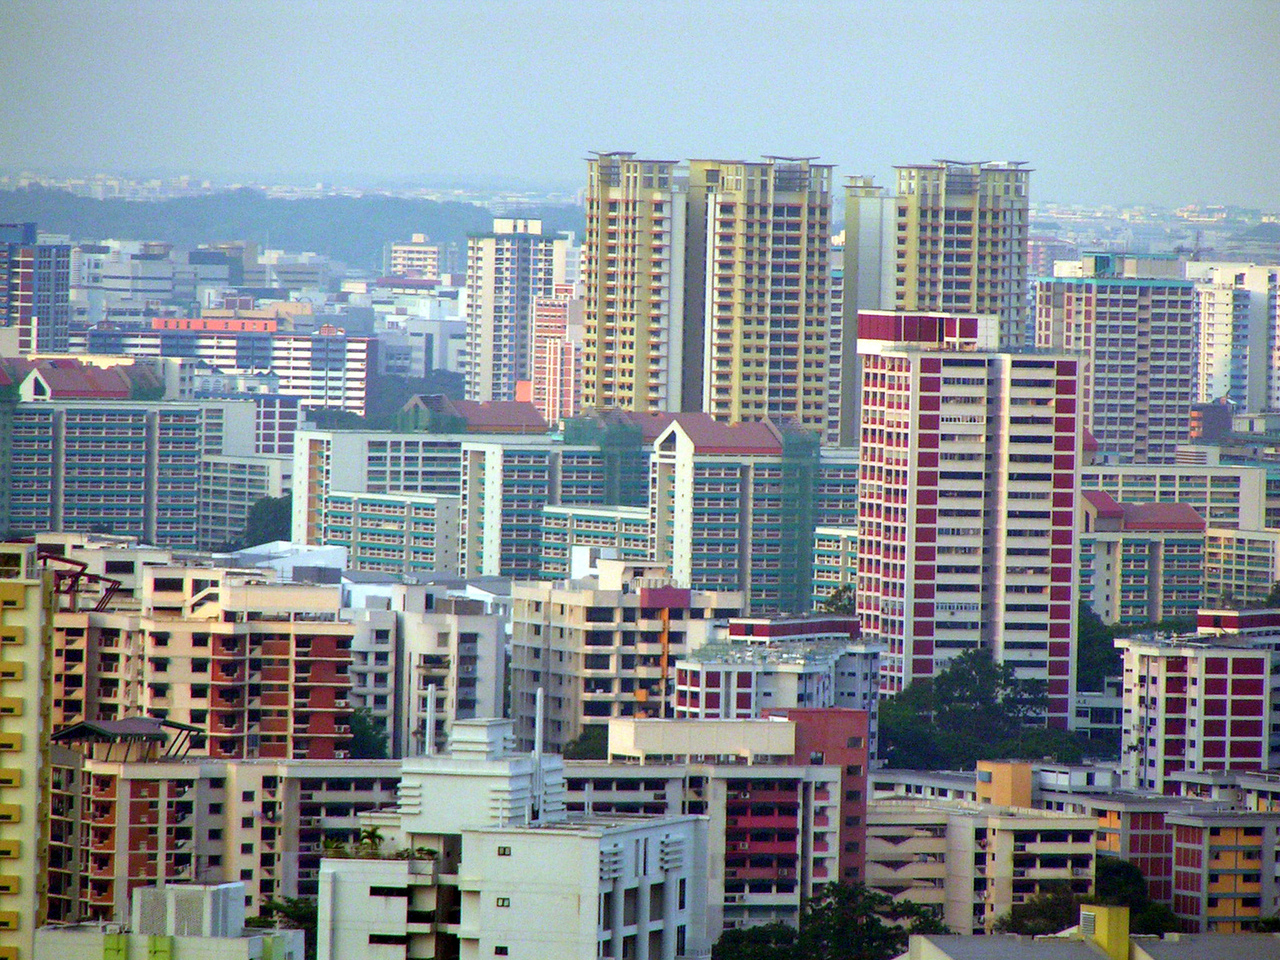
[[349, 229], [1265, 232]]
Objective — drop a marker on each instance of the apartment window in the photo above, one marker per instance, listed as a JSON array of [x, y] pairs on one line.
[[499, 951], [503, 901], [504, 851]]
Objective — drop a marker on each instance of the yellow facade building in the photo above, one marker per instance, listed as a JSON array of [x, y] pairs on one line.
[[26, 596]]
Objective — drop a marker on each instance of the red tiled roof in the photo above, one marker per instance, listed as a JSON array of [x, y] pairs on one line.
[[70, 379], [1162, 516], [711, 436], [500, 416], [1104, 504]]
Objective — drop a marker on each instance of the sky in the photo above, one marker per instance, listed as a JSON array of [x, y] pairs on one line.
[[1129, 101]]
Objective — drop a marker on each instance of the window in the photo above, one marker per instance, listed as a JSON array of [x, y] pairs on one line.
[[503, 901], [499, 951], [392, 938], [504, 851]]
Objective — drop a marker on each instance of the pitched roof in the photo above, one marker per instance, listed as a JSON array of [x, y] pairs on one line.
[[70, 379], [1105, 504], [1162, 516], [500, 416], [711, 436], [128, 728]]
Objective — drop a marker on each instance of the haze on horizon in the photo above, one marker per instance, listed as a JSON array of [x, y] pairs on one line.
[[1132, 102]]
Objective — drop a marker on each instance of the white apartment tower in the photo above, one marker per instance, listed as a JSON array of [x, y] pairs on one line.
[[1239, 304], [967, 528], [506, 269]]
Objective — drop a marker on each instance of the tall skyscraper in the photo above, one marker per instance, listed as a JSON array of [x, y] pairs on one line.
[[35, 292], [707, 287], [506, 269], [953, 239], [1134, 320], [633, 263], [967, 531]]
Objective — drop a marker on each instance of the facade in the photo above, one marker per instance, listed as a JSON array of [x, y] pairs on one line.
[[1140, 563], [1197, 704], [258, 668], [1240, 566], [421, 661], [203, 920], [835, 561], [973, 862], [327, 370], [967, 533], [623, 533], [555, 353], [785, 800], [1224, 495], [35, 292], [157, 817], [733, 509], [603, 646], [1225, 866], [761, 665], [417, 258], [758, 252], [26, 603], [537, 882], [707, 287], [1134, 320], [1237, 360], [953, 239], [633, 271], [506, 269]]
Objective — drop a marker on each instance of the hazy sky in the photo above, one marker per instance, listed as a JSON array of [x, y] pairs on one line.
[[1165, 101]]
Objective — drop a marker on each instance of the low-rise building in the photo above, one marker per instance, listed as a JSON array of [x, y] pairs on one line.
[[973, 862], [493, 867], [175, 920]]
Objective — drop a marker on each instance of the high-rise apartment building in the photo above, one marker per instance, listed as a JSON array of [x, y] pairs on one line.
[[1133, 320], [555, 353], [35, 292], [967, 534], [707, 287], [506, 269], [417, 258], [951, 239], [633, 271], [26, 602], [1238, 358]]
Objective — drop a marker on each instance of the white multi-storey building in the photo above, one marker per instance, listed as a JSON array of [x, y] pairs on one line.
[[506, 269], [1237, 355]]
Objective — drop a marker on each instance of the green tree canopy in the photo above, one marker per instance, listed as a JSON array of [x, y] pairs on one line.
[[973, 710], [839, 922], [271, 518], [592, 744], [368, 736], [842, 600]]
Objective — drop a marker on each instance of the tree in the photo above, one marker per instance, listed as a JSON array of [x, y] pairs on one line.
[[1052, 910], [973, 710], [839, 922], [852, 922], [1119, 882], [294, 913], [371, 839], [769, 941], [1096, 655], [592, 744], [841, 601], [368, 736], [271, 518]]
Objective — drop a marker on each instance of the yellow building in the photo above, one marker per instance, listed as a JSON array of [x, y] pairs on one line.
[[707, 287], [26, 596]]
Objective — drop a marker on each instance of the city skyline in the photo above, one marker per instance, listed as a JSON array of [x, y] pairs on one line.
[[1110, 104]]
